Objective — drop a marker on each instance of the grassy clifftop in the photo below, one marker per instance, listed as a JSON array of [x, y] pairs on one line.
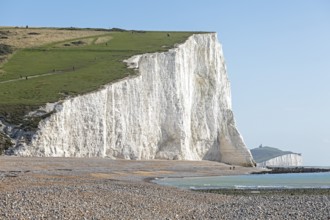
[[46, 65]]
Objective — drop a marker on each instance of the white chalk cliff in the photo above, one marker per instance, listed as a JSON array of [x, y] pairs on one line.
[[178, 106], [286, 160]]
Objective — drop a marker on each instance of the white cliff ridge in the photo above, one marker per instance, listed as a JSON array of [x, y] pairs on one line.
[[286, 160], [177, 107]]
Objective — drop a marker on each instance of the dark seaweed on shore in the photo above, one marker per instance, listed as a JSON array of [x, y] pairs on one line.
[[279, 170], [249, 192]]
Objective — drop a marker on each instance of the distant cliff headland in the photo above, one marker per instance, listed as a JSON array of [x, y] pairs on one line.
[[118, 94], [273, 157]]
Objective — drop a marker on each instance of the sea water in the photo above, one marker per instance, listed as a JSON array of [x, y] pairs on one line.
[[255, 181]]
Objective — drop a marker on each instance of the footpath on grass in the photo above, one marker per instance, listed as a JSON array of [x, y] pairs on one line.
[[35, 76]]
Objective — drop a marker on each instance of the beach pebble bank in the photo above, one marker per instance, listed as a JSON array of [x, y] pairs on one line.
[[32, 197]]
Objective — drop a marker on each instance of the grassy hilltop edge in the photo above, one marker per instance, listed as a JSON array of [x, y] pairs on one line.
[[42, 65]]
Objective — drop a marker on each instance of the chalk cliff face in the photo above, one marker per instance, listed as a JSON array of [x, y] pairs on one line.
[[178, 106], [283, 161]]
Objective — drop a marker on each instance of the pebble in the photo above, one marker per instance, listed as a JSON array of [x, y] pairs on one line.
[[88, 198]]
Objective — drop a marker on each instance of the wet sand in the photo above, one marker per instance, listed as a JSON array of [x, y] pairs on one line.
[[94, 188]]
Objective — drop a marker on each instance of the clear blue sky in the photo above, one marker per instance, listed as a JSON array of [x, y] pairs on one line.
[[277, 54]]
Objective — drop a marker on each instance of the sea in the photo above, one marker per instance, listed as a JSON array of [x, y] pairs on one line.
[[252, 181]]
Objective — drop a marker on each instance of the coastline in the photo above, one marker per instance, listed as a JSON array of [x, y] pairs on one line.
[[295, 169], [78, 188], [265, 192]]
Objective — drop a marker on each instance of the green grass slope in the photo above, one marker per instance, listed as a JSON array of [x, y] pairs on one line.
[[262, 154], [35, 76]]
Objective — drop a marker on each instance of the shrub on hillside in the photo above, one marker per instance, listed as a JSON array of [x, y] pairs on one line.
[[5, 143], [5, 49]]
